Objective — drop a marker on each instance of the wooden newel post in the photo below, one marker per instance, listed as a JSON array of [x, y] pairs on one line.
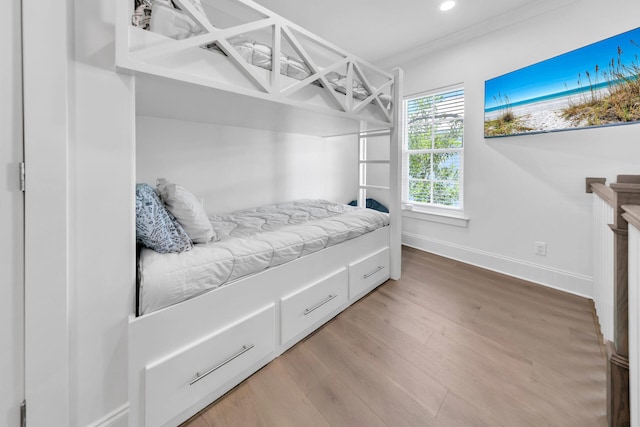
[[627, 191]]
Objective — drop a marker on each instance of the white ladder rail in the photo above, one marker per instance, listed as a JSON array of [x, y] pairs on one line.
[[395, 175]]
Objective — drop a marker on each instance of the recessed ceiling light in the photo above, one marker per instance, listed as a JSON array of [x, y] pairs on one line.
[[447, 5]]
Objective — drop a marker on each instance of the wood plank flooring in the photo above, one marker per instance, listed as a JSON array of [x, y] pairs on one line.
[[447, 345]]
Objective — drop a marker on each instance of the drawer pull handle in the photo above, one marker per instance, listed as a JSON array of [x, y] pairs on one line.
[[366, 276], [200, 376], [320, 304]]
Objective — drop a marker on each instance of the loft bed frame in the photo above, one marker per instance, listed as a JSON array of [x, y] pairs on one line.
[[184, 357], [142, 51]]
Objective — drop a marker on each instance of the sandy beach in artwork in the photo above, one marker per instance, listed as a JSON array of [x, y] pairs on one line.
[[541, 116], [545, 115]]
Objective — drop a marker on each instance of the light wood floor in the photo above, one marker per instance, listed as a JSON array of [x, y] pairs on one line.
[[447, 345]]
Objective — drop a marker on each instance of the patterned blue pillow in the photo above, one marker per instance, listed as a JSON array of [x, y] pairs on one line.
[[156, 228]]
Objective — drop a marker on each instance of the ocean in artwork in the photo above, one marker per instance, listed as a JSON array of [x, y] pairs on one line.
[[597, 85]]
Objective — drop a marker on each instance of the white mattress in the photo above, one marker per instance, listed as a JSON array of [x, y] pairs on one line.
[[250, 241]]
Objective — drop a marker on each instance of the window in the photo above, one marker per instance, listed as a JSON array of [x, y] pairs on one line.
[[433, 149]]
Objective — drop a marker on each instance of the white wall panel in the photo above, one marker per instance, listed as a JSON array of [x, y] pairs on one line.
[[102, 158], [232, 168], [80, 249]]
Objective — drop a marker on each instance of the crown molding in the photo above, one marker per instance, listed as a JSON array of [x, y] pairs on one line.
[[499, 22]]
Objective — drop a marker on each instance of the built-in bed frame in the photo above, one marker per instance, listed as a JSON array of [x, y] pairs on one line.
[[185, 356]]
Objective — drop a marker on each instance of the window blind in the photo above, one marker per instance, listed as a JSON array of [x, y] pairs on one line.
[[433, 149]]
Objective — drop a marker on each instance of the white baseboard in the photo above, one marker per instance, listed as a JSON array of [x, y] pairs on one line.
[[573, 283], [116, 418]]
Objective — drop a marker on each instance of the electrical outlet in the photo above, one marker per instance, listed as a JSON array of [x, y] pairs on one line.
[[541, 248]]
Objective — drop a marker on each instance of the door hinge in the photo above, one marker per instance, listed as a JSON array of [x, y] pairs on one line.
[[22, 177], [23, 412]]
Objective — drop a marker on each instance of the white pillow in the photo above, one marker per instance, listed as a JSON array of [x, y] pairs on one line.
[[184, 206], [172, 22], [197, 5]]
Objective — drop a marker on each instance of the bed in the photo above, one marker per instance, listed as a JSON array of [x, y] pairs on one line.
[[255, 282], [313, 73], [169, 20], [247, 242], [201, 327]]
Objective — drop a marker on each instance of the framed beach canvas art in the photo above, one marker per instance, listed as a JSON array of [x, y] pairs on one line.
[[597, 85]]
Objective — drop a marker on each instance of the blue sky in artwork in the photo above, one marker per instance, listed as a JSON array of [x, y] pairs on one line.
[[562, 73]]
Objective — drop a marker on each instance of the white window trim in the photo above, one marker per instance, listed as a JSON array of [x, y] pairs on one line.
[[426, 212], [449, 216]]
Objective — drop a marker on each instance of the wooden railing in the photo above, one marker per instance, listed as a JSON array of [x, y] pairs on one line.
[[613, 207]]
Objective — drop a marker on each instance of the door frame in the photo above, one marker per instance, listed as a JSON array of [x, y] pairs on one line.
[[12, 218], [47, 99]]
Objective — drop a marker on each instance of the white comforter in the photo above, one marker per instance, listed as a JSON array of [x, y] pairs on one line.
[[250, 241]]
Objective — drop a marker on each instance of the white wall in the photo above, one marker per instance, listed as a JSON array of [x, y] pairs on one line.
[[233, 168], [11, 218], [80, 249], [102, 252], [527, 188]]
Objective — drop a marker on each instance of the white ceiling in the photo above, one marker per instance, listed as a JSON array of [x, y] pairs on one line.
[[377, 30]]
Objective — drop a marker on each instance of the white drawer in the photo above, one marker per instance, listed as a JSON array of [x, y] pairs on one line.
[[368, 272], [185, 377], [312, 304]]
